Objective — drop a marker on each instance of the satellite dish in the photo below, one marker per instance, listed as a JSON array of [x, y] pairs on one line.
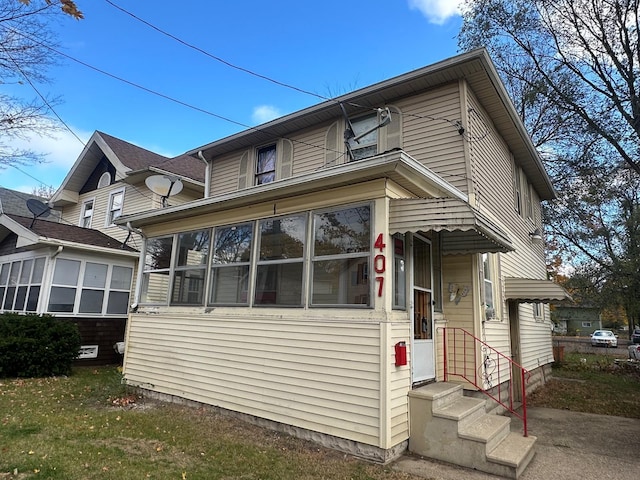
[[164, 185], [38, 209]]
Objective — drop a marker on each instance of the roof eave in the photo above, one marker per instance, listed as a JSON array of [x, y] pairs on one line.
[[398, 166]]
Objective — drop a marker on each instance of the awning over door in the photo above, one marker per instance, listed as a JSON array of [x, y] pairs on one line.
[[463, 228], [529, 290]]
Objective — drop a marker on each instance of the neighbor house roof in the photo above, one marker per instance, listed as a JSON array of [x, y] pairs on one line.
[[37, 232], [475, 67], [15, 202], [132, 163], [138, 158]]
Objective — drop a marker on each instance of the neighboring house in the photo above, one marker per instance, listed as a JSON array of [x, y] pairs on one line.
[[83, 267], [288, 293], [576, 320]]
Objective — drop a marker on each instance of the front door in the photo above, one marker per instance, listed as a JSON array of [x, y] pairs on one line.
[[422, 360]]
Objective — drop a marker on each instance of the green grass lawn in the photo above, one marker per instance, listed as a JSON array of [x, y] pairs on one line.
[[592, 384], [87, 426]]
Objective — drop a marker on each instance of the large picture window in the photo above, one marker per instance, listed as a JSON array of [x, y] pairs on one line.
[[279, 276], [265, 262], [230, 264], [341, 257]]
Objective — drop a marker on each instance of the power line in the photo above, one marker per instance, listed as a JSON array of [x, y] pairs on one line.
[[215, 57]]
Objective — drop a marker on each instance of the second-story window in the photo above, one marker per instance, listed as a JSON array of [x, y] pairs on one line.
[[366, 146], [116, 201], [266, 165], [87, 214]]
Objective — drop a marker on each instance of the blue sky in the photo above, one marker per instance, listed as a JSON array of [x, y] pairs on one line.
[[328, 48]]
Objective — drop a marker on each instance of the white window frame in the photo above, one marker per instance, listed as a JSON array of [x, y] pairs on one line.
[[27, 284], [79, 287], [104, 180], [109, 221], [84, 216], [487, 262], [538, 311]]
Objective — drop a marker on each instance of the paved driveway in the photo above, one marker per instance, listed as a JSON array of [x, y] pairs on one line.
[[570, 446]]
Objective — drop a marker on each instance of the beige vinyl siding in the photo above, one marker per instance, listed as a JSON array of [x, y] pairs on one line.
[[296, 369], [309, 150], [491, 163], [428, 134], [399, 381], [430, 137], [225, 171], [458, 269], [137, 198], [493, 185], [361, 192]]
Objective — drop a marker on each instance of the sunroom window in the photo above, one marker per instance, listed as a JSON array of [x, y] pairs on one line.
[[89, 288], [341, 257], [191, 268], [157, 268], [20, 284], [279, 276], [230, 264]]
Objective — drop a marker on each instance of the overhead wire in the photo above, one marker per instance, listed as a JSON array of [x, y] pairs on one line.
[[455, 123]]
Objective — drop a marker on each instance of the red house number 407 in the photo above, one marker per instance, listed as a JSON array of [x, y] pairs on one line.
[[380, 262]]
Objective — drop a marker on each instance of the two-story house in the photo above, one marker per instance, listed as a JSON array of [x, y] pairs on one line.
[[83, 267], [339, 254]]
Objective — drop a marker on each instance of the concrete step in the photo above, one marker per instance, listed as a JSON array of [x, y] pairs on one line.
[[463, 410], [488, 429], [439, 393], [514, 452]]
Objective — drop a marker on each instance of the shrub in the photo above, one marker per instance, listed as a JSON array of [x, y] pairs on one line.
[[36, 345]]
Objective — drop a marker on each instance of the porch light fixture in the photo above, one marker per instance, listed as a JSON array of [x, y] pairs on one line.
[[536, 236]]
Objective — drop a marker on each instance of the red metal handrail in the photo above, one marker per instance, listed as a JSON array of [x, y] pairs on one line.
[[493, 362]]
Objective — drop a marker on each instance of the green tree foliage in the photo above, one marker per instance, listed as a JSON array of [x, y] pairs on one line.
[[572, 68]]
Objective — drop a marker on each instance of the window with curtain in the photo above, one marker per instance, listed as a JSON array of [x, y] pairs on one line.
[[266, 165]]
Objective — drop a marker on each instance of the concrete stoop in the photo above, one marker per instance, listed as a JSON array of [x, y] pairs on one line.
[[447, 426]]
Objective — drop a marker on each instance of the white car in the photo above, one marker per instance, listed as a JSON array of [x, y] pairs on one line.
[[634, 352], [603, 338]]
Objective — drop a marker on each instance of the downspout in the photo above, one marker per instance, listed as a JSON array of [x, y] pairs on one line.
[[141, 258], [47, 279], [207, 174]]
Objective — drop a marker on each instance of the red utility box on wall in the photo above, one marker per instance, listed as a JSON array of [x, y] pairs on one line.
[[401, 354]]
